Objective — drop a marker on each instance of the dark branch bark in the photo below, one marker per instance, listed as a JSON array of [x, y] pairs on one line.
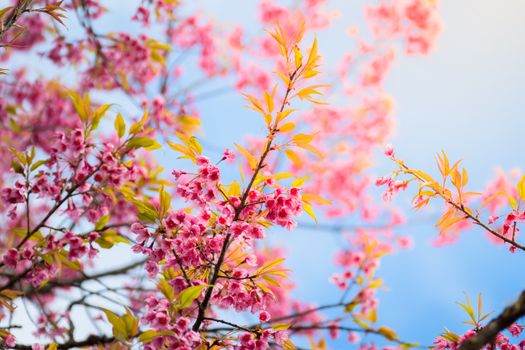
[[21, 7], [486, 335], [90, 341], [269, 144], [79, 280]]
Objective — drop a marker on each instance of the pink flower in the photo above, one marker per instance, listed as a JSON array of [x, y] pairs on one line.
[[441, 343], [405, 242], [10, 340], [470, 333], [11, 258], [201, 160], [228, 155], [142, 233], [264, 316], [245, 338], [515, 329], [389, 151], [333, 330], [492, 219], [12, 196], [353, 337]]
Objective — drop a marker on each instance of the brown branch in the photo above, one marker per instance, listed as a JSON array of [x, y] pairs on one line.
[[58, 204], [92, 340], [79, 280], [21, 7], [461, 208], [488, 333], [238, 210], [298, 328]]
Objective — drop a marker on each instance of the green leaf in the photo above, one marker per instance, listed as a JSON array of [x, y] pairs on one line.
[[165, 201], [5, 10], [194, 144], [387, 333], [131, 323], [74, 265], [119, 327], [450, 336], [143, 142], [281, 326], [188, 295], [99, 113], [17, 167], [138, 126], [39, 163], [166, 289], [102, 222], [148, 335], [351, 306], [18, 155], [109, 238], [80, 104]]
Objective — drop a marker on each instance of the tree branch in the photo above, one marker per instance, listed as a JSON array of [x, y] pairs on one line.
[[21, 7], [488, 333], [79, 280], [90, 341]]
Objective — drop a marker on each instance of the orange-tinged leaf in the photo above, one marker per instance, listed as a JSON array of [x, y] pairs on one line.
[[268, 119], [299, 182], [255, 104], [284, 78], [298, 57], [283, 115], [512, 202], [252, 161], [310, 74], [311, 149], [464, 176], [293, 157], [268, 266], [312, 56], [310, 211], [264, 288], [310, 197], [271, 281], [288, 345], [269, 102], [376, 283], [521, 188], [286, 127], [303, 138]]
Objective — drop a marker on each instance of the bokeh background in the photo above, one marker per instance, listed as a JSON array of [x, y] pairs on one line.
[[467, 97]]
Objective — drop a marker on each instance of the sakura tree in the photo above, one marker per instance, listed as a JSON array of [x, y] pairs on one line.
[[124, 226]]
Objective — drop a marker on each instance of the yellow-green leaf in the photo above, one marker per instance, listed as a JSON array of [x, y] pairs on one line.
[[120, 125], [188, 295]]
